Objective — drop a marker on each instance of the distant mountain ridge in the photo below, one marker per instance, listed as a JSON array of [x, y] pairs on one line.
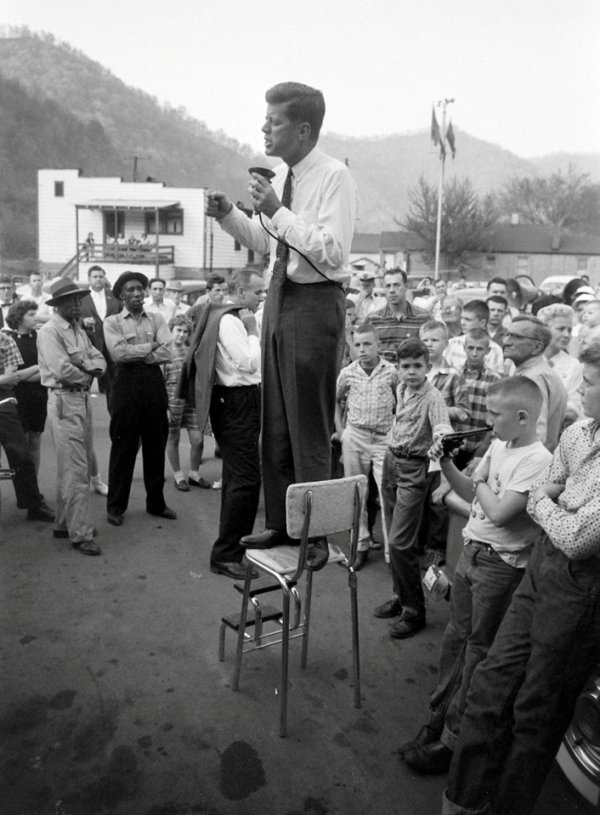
[[58, 108]]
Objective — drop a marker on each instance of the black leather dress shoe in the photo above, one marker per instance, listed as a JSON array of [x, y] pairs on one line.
[[165, 513], [361, 560], [114, 518], [407, 627], [237, 571], [426, 735], [266, 539], [391, 608], [317, 554], [40, 513], [430, 759], [200, 482]]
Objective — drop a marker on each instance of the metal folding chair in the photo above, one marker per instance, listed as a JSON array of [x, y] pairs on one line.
[[313, 509]]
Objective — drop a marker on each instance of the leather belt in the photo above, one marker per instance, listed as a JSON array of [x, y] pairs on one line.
[[70, 390]]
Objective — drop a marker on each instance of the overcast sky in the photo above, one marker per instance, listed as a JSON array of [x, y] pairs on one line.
[[525, 74]]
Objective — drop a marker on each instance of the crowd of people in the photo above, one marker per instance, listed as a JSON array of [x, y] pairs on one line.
[[282, 382]]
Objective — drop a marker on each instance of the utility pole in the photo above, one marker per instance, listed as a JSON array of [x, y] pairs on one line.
[[444, 104], [135, 160]]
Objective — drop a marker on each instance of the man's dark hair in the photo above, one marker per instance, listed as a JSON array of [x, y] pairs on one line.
[[478, 334], [543, 300], [5, 279], [478, 308], [95, 269], [413, 349], [591, 355], [17, 311], [157, 280], [501, 280], [396, 270], [241, 278], [303, 103], [214, 279], [497, 298]]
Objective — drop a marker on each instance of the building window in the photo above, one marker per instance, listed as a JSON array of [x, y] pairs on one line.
[[237, 246], [490, 260], [170, 222], [522, 264], [583, 264], [59, 189]]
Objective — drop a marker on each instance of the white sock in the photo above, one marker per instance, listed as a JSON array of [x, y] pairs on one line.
[[178, 475], [195, 474]]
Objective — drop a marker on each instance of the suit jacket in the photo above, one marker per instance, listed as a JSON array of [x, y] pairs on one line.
[[88, 309]]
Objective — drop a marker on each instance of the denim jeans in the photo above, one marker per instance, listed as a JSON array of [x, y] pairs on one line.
[[404, 491], [522, 695], [482, 589]]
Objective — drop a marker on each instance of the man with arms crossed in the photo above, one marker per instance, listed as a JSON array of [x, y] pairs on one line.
[[311, 205]]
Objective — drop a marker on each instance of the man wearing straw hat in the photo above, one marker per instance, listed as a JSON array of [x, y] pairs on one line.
[[68, 364]]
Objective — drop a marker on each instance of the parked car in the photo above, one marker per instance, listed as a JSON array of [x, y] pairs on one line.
[[579, 754], [555, 283]]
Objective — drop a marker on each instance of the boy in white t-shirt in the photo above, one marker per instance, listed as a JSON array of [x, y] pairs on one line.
[[499, 537]]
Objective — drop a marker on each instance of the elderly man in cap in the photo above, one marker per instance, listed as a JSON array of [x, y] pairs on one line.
[[559, 319], [368, 300], [524, 343], [138, 342], [68, 364]]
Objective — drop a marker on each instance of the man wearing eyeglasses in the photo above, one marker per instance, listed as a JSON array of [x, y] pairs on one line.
[[7, 298], [524, 343]]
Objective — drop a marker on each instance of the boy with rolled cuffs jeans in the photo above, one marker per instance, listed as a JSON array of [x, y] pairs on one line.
[[523, 695], [499, 537], [420, 412], [366, 395]]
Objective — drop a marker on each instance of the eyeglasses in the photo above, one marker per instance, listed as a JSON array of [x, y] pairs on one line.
[[6, 288], [512, 336], [449, 309]]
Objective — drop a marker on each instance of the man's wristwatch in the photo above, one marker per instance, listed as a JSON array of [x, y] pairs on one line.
[[477, 482]]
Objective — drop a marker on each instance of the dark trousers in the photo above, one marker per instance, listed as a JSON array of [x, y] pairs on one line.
[[302, 345], [522, 696], [14, 442], [404, 487], [235, 420], [138, 407]]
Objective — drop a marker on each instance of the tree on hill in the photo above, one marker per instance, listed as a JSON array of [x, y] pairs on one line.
[[567, 201], [467, 219]]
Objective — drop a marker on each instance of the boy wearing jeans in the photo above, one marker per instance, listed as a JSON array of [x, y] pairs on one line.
[[499, 537], [366, 394], [420, 412]]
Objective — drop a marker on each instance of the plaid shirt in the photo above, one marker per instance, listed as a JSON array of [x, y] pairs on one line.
[[10, 356], [418, 416], [393, 329], [453, 388], [477, 383], [370, 399]]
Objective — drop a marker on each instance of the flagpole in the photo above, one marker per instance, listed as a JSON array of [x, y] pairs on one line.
[[438, 232]]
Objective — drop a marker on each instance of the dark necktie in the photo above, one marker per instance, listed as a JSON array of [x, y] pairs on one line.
[[282, 254]]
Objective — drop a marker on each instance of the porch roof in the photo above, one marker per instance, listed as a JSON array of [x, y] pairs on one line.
[[125, 203]]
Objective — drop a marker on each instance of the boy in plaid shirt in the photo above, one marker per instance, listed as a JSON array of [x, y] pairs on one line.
[[366, 396]]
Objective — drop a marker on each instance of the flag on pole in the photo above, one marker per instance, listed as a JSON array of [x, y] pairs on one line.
[[436, 136], [450, 139]]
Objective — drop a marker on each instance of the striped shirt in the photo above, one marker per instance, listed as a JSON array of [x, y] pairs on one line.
[[454, 390], [418, 415], [394, 328], [370, 398], [10, 357]]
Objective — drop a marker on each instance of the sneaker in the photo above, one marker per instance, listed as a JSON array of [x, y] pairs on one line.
[[98, 485]]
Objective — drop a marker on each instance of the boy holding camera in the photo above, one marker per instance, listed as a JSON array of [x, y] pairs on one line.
[[499, 537]]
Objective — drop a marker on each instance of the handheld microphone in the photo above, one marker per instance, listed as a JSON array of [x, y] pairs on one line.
[[264, 171]]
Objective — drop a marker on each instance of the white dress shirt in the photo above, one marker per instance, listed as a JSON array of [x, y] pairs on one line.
[[238, 354], [320, 223]]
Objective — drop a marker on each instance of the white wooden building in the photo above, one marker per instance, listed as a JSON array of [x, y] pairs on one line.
[[181, 241]]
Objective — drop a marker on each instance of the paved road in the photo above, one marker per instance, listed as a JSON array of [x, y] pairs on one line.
[[113, 699]]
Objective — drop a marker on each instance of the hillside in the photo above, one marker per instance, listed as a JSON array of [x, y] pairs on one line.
[[58, 108]]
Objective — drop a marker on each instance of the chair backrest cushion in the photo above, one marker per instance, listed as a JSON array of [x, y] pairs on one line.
[[332, 505]]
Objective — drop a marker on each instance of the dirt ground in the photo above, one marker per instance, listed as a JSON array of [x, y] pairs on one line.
[[114, 700]]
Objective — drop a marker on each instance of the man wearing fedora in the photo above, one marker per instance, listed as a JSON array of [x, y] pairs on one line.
[[174, 292], [138, 342], [68, 364]]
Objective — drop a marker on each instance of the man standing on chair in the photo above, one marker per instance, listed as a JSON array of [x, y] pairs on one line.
[[306, 220]]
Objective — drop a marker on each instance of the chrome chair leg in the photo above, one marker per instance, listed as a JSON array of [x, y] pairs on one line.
[[307, 608], [285, 653]]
